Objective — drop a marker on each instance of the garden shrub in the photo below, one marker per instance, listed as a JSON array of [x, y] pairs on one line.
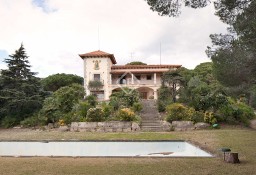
[[92, 100], [164, 98], [107, 110], [247, 111], [197, 116], [68, 96], [68, 118], [61, 102], [50, 110], [61, 122], [8, 122], [161, 106], [115, 103], [137, 107], [209, 117], [79, 111], [177, 112], [123, 99], [236, 112], [126, 114], [95, 115], [35, 120]]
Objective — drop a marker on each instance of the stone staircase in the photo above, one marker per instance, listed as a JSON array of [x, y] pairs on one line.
[[149, 117]]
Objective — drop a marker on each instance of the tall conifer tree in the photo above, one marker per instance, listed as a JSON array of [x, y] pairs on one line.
[[20, 91]]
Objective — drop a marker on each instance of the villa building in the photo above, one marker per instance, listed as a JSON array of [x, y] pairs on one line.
[[100, 70]]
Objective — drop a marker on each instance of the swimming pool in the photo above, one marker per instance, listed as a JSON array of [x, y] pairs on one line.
[[101, 149]]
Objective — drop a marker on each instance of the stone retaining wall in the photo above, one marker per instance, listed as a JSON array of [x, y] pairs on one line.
[[253, 124], [112, 126], [183, 126]]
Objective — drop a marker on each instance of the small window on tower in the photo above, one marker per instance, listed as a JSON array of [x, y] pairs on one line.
[[149, 77], [96, 77]]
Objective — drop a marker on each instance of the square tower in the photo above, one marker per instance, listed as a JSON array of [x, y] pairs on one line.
[[97, 77]]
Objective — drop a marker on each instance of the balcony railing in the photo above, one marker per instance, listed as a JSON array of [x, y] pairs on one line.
[[95, 84]]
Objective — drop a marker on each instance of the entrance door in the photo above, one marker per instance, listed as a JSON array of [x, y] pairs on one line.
[[143, 95]]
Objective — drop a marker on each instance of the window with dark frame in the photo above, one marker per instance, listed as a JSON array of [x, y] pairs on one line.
[[149, 77], [96, 77], [137, 77]]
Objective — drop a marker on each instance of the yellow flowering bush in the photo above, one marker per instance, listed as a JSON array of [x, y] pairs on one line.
[[209, 118], [61, 122], [126, 114], [177, 112]]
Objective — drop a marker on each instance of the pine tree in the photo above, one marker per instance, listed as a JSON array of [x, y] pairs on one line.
[[20, 91]]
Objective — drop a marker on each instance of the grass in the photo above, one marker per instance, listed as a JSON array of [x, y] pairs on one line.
[[239, 140], [55, 135]]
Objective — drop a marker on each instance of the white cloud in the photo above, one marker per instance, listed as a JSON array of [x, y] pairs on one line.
[[53, 39]]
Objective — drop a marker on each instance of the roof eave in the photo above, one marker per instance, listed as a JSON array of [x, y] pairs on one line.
[[111, 56]]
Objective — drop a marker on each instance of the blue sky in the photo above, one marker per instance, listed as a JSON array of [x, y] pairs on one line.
[[43, 4], [3, 55], [54, 32]]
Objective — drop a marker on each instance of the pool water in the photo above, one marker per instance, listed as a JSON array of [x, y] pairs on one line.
[[101, 149]]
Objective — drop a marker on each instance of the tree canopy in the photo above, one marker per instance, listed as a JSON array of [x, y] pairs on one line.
[[173, 7], [172, 79], [56, 81], [225, 9], [136, 63], [234, 54]]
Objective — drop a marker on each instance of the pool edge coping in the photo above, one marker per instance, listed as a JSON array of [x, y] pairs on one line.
[[75, 140]]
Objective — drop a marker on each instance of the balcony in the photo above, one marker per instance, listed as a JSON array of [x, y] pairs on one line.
[[136, 80], [95, 85]]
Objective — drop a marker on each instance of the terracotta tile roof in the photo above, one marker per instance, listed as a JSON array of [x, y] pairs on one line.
[[98, 53], [145, 66], [117, 69]]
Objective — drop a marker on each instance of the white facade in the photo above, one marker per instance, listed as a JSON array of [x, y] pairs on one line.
[[103, 70], [99, 66]]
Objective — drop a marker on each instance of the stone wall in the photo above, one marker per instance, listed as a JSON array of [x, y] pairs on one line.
[[183, 126], [112, 126], [253, 124]]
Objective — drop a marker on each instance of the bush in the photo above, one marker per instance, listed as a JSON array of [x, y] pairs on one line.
[[115, 103], [137, 107], [234, 113], [33, 121], [164, 98], [161, 106], [92, 100], [197, 116], [79, 111], [68, 118], [177, 112], [62, 102], [247, 111], [68, 96], [95, 115], [209, 118], [126, 114], [107, 110], [8, 122], [123, 99], [50, 110]]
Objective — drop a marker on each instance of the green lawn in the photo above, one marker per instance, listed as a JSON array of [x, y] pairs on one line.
[[239, 140]]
